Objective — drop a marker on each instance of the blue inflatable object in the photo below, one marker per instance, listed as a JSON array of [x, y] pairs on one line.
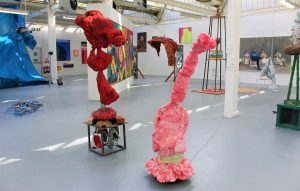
[[27, 37], [16, 68]]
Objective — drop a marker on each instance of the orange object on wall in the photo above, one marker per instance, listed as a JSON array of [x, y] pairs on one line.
[[76, 53]]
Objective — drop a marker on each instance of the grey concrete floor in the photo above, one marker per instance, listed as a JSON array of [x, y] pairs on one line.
[[47, 150]]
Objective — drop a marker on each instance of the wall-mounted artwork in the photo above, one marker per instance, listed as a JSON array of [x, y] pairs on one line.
[[63, 50], [75, 53], [179, 58], [135, 62], [142, 42], [185, 35], [256, 52], [122, 63], [68, 65]]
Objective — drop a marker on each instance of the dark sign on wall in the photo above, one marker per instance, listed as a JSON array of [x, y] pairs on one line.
[[63, 50]]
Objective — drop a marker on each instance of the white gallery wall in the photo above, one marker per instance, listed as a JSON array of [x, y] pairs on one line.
[[268, 24], [75, 44], [272, 23]]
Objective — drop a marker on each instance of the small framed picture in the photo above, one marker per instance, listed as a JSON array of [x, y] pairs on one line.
[[76, 53]]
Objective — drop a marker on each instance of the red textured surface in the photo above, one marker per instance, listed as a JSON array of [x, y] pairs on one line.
[[211, 91], [97, 140], [101, 33], [170, 46], [104, 114]]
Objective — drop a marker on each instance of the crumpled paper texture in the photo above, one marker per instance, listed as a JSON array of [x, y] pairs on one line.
[[171, 121], [101, 33]]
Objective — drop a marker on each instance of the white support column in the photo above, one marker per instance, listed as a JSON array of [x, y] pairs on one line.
[[109, 2], [52, 42], [233, 51]]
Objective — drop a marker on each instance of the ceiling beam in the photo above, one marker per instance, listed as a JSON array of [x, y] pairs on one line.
[[59, 22], [161, 13], [142, 20], [148, 11], [9, 2], [222, 7], [214, 3], [186, 6], [132, 7]]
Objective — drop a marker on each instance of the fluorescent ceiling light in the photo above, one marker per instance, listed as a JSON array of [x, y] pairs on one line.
[[71, 29], [59, 28], [13, 11], [79, 30], [69, 18], [287, 3], [36, 26], [44, 28]]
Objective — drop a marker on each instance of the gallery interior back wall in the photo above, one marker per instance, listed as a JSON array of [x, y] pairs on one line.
[[75, 44], [268, 24]]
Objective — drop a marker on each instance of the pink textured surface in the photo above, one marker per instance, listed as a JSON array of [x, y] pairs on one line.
[[169, 172], [202, 43], [171, 121]]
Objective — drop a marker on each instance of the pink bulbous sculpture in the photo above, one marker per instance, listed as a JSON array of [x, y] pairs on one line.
[[171, 122]]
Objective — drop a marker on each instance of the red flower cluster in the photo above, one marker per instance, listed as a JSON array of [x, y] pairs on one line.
[[104, 114], [101, 33]]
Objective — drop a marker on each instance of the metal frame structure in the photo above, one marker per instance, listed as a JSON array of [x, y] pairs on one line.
[[218, 61], [103, 151]]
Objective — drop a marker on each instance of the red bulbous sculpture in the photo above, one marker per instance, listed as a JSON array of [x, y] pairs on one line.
[[101, 33], [170, 45]]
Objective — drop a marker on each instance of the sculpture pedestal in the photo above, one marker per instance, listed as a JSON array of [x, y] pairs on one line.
[[288, 116], [104, 142]]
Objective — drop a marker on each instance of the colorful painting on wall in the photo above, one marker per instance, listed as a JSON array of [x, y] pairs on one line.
[[135, 62], [256, 52], [142, 42], [185, 35], [122, 63], [179, 59]]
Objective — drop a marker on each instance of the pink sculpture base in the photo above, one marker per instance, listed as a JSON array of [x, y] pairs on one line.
[[169, 172]]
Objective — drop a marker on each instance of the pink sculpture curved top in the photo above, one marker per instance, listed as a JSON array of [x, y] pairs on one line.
[[171, 123]]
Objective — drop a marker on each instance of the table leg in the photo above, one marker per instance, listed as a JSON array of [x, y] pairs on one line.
[[102, 143], [124, 136], [89, 136]]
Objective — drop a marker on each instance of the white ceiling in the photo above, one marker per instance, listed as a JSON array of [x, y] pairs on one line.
[[157, 10]]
